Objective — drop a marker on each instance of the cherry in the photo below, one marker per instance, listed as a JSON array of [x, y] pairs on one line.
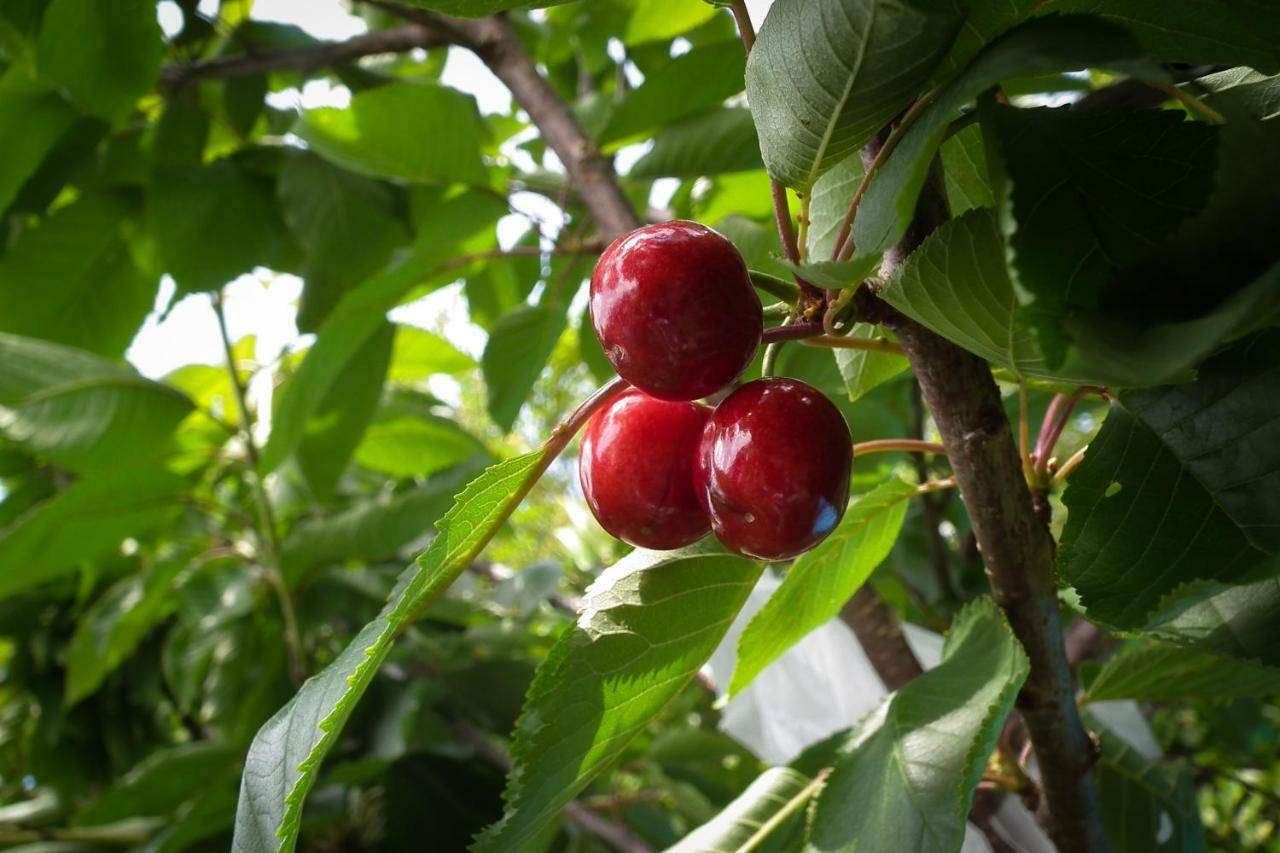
[[673, 307], [636, 469], [773, 468]]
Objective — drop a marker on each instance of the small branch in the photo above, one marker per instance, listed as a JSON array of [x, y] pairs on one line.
[[841, 342], [125, 834], [304, 59], [881, 637], [268, 535], [898, 445], [496, 44]]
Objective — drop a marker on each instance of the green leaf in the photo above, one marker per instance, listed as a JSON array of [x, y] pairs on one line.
[[214, 223], [418, 354], [864, 370], [747, 820], [657, 20], [518, 349], [648, 623], [1152, 671], [713, 143], [1147, 804], [72, 280], [284, 759], [82, 411], [374, 529], [820, 582], [1241, 621], [346, 224], [83, 522], [905, 778], [1055, 44], [826, 75], [1240, 90], [398, 131], [834, 275], [689, 84], [416, 446], [32, 119], [1181, 484], [338, 425], [829, 204], [160, 783], [363, 310], [111, 629], [1091, 193], [957, 284], [964, 161], [1210, 32], [104, 56]]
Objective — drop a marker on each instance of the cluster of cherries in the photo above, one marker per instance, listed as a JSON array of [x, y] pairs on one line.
[[767, 469]]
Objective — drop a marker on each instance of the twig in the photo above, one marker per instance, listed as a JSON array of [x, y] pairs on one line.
[[881, 637], [496, 44], [793, 332], [304, 59], [268, 535]]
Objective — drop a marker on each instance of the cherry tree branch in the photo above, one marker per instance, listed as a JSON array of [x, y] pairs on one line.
[[1016, 546], [305, 59]]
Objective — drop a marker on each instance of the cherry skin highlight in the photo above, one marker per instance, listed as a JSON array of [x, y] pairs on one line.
[[773, 468], [673, 307], [636, 469]]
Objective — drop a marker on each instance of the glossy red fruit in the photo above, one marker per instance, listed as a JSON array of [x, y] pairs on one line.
[[673, 307], [773, 468], [636, 470]]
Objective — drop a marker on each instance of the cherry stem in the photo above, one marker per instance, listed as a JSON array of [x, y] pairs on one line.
[[781, 207], [1056, 418], [794, 332], [936, 486], [839, 342], [568, 428], [898, 445]]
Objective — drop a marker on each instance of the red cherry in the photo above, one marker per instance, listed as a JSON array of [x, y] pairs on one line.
[[673, 307], [636, 469], [773, 468]]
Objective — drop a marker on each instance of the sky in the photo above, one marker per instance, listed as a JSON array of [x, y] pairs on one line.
[[264, 304]]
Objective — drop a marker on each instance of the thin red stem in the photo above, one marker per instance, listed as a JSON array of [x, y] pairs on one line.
[[1055, 421], [794, 332]]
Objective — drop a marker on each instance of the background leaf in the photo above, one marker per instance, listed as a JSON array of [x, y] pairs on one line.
[[31, 120], [395, 131], [104, 58]]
